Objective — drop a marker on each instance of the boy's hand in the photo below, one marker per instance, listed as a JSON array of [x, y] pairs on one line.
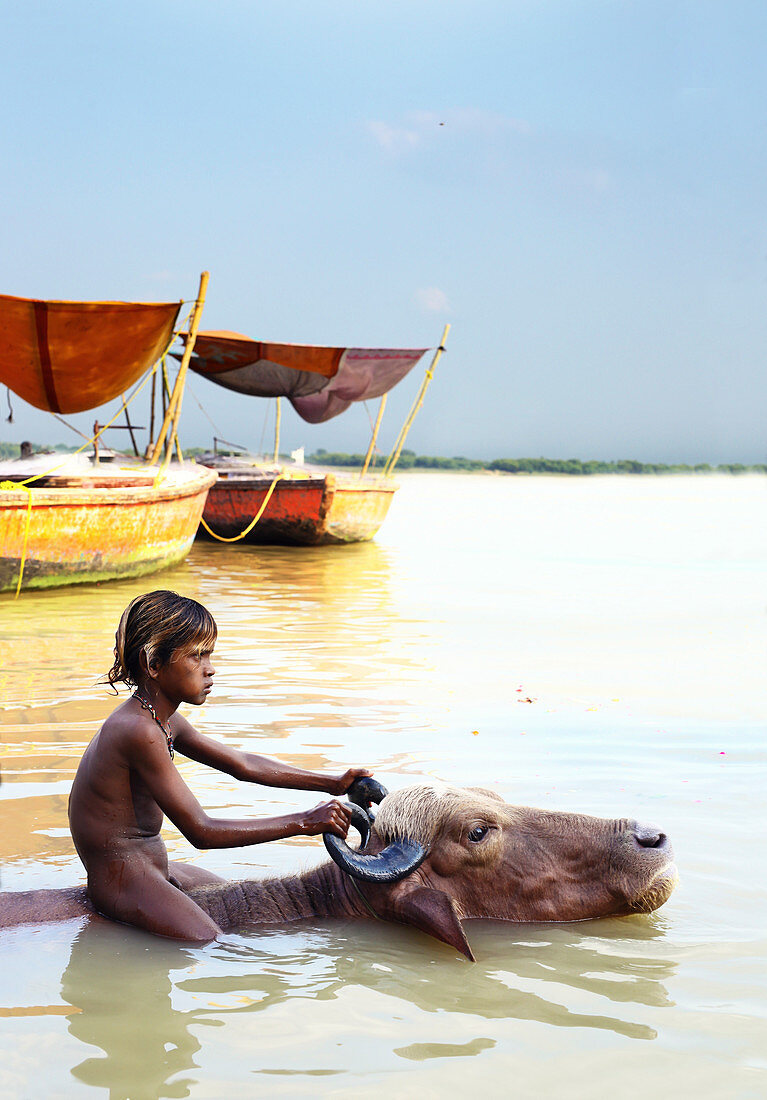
[[341, 784], [328, 817]]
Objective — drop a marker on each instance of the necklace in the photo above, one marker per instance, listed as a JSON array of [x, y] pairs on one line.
[[165, 729]]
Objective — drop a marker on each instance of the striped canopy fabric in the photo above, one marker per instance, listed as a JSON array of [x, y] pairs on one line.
[[320, 382], [66, 357]]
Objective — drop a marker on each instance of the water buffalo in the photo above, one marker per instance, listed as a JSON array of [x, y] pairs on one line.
[[433, 856]]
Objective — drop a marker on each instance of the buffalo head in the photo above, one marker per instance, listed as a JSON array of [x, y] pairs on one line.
[[436, 855]]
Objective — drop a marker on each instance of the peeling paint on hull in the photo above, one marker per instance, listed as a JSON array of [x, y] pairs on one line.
[[79, 534], [312, 511], [357, 510]]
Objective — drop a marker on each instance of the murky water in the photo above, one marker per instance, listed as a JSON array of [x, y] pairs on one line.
[[592, 645]]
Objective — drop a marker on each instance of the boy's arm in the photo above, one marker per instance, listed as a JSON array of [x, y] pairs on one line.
[[146, 753], [251, 768]]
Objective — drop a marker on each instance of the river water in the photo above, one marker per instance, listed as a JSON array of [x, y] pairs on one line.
[[579, 644]]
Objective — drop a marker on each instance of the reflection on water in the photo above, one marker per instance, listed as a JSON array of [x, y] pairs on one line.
[[631, 613], [492, 988], [420, 1052], [132, 995], [139, 1050], [56, 644]]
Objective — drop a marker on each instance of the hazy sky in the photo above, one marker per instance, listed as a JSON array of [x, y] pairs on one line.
[[577, 186]]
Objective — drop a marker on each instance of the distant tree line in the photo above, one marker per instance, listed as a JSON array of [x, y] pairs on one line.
[[13, 450], [410, 460], [407, 460]]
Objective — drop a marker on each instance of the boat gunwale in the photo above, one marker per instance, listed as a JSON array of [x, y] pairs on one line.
[[168, 489], [256, 481]]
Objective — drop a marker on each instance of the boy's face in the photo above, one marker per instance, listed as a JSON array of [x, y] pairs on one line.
[[187, 677]]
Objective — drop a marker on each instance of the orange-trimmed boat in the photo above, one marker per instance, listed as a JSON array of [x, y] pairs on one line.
[[295, 507], [298, 505], [66, 519]]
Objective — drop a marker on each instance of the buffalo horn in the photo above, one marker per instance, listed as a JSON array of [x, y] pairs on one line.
[[361, 822], [396, 861], [365, 791]]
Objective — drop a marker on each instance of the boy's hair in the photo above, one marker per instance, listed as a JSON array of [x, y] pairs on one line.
[[159, 624]]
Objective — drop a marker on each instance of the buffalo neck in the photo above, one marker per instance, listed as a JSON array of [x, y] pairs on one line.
[[321, 893]]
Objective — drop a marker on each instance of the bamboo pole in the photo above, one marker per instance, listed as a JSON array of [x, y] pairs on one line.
[[277, 419], [394, 456], [374, 437], [130, 427], [177, 445], [162, 371], [164, 395], [174, 405], [151, 407]]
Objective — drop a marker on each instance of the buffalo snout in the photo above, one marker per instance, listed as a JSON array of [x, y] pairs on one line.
[[648, 836]]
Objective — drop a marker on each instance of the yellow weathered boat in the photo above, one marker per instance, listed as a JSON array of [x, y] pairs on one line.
[[65, 520], [99, 529]]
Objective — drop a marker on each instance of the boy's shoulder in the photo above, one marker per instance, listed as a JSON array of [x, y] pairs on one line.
[[131, 726]]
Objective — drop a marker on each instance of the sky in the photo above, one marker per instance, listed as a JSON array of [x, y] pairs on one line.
[[576, 186]]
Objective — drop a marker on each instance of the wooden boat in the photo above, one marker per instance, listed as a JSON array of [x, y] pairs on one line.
[[297, 507], [65, 520], [262, 503], [93, 528]]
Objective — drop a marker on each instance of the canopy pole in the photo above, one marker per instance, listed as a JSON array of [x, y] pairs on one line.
[[130, 427], [164, 391], [374, 437], [277, 419], [152, 400], [174, 405], [394, 456], [177, 445], [162, 371]]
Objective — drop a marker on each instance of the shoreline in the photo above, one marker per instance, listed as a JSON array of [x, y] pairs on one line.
[[405, 471], [410, 462]]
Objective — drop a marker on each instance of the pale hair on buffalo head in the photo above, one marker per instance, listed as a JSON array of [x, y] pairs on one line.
[[421, 812]]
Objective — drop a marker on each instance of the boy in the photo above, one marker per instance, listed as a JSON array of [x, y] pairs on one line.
[[126, 780]]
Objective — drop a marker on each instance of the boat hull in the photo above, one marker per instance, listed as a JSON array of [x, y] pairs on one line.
[[356, 510], [314, 511], [78, 534]]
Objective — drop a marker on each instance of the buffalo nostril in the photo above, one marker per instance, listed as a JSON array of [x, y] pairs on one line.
[[649, 837]]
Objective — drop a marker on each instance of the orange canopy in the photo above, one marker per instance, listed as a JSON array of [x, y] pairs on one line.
[[66, 357], [320, 382], [224, 351]]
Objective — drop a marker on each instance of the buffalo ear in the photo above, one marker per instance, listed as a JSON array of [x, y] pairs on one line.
[[434, 913]]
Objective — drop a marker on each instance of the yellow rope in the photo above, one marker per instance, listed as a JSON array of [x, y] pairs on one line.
[[9, 486], [253, 522]]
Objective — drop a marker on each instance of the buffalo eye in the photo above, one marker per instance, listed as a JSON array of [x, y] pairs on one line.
[[479, 832]]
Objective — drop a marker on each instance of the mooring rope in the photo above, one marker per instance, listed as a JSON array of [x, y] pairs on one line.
[[10, 486], [253, 522]]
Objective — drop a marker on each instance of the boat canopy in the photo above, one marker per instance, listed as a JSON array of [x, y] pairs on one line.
[[320, 382], [66, 357]]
